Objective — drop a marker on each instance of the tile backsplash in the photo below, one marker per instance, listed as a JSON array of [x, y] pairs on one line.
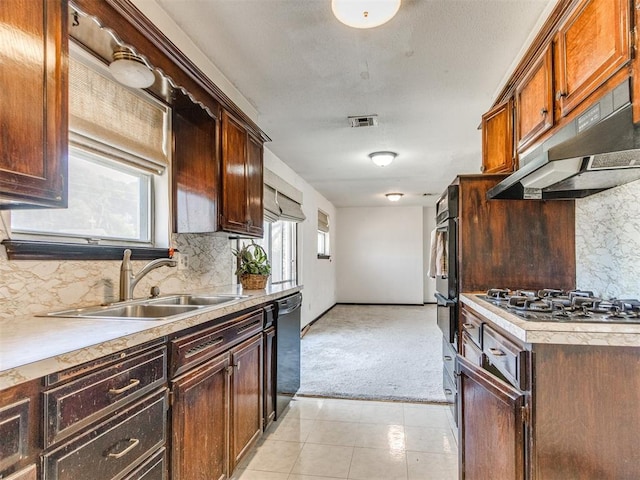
[[608, 242], [29, 287]]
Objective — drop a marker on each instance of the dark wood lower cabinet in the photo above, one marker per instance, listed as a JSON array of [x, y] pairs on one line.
[[492, 427], [246, 391], [200, 422]]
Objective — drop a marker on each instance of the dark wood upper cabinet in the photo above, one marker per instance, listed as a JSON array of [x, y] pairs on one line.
[[593, 44], [241, 173], [33, 95], [497, 139], [195, 170], [534, 101]]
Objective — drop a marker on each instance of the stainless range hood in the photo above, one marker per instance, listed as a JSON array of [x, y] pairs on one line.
[[600, 149]]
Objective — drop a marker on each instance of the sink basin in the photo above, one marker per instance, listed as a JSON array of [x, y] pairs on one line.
[[197, 300], [141, 311], [160, 308]]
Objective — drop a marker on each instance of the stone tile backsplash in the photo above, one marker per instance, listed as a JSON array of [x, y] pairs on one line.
[[608, 242], [29, 287]]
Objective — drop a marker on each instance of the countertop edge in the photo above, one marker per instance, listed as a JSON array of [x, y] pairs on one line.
[[28, 351], [611, 334]]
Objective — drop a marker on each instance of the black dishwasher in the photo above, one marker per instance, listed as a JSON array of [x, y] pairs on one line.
[[287, 350]]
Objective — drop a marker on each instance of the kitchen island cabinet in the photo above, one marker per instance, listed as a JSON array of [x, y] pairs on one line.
[[33, 95], [549, 401]]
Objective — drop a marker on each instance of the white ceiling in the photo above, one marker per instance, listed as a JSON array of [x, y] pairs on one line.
[[428, 74]]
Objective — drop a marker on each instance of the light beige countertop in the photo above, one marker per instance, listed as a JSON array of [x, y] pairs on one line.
[[569, 332], [33, 346]]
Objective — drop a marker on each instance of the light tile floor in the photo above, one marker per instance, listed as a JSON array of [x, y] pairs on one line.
[[361, 440]]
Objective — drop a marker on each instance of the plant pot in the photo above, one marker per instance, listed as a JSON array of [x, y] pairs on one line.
[[251, 281]]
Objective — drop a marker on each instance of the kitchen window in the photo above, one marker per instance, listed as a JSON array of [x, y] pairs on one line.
[[118, 166], [280, 242]]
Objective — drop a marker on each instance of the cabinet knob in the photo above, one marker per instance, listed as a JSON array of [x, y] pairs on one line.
[[543, 111], [560, 94]]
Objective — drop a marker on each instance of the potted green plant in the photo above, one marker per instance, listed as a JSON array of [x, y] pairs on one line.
[[253, 266]]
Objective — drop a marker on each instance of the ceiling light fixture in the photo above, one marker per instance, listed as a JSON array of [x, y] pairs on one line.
[[364, 13], [394, 197], [130, 70], [382, 159]]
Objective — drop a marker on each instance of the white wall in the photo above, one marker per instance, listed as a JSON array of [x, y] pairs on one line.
[[317, 276], [379, 255], [428, 224]]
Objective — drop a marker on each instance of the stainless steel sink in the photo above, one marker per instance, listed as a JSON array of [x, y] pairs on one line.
[[198, 300], [161, 308]]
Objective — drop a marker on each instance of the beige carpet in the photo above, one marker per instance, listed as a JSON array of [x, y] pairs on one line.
[[374, 352]]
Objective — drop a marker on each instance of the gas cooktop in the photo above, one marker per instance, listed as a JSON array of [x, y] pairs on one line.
[[552, 305]]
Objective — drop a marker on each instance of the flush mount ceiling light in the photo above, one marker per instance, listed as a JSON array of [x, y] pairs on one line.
[[364, 13], [129, 69], [382, 159], [394, 197]]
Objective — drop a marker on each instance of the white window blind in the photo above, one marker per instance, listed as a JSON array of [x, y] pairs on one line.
[[271, 209], [288, 199], [109, 119], [323, 222]]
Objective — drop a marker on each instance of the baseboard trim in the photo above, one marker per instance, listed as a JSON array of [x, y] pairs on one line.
[[306, 328]]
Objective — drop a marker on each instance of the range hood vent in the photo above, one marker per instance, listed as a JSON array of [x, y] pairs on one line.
[[598, 150], [363, 121]]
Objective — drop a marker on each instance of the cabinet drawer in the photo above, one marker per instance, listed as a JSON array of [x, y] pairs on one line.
[[155, 468], [507, 357], [113, 447], [71, 406], [470, 350], [448, 357], [193, 349], [472, 326], [14, 443]]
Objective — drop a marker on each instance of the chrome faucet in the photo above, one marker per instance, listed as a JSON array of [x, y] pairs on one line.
[[128, 280]]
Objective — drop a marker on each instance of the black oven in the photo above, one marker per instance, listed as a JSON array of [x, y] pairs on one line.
[[447, 273]]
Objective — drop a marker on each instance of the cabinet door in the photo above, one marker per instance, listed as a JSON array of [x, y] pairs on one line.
[[269, 375], [33, 96], [534, 101], [195, 171], [593, 44], [255, 185], [497, 139], [491, 423], [246, 394], [234, 175], [200, 422]]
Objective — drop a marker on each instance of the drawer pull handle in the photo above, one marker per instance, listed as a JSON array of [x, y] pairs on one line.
[[448, 358], [203, 346], [133, 443], [447, 391], [251, 325], [133, 383], [237, 365], [496, 353], [468, 326]]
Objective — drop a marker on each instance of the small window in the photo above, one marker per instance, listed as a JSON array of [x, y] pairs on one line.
[[324, 250], [280, 243]]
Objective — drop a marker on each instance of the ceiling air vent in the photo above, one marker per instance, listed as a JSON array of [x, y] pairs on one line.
[[363, 121]]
